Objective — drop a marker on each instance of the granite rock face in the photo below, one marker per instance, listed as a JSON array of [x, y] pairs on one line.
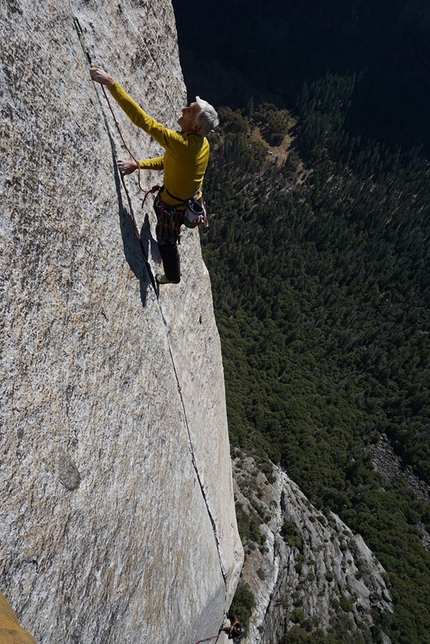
[[390, 465], [308, 569], [117, 518]]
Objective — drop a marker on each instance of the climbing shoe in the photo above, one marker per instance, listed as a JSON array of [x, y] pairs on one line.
[[162, 279]]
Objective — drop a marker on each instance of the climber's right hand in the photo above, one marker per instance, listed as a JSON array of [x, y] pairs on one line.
[[99, 75], [127, 167]]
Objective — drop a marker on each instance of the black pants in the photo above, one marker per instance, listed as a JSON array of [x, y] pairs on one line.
[[171, 262], [169, 221]]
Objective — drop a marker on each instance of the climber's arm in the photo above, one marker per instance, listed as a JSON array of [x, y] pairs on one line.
[[127, 167]]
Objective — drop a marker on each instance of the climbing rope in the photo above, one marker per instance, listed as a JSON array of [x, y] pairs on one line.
[[152, 190], [208, 639], [146, 192], [193, 459]]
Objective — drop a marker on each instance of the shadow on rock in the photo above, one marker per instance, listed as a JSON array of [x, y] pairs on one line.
[[150, 249], [133, 246]]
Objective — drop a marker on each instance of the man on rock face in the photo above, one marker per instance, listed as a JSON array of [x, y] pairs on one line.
[[183, 163]]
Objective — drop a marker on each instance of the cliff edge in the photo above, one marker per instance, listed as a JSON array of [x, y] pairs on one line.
[[117, 518]]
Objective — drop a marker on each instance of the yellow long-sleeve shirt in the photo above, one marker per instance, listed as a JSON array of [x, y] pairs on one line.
[[10, 630], [186, 155]]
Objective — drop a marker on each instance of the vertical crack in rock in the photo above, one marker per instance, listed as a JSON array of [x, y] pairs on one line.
[[193, 458]]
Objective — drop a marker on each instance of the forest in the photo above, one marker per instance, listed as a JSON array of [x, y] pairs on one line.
[[320, 273], [235, 49], [319, 254]]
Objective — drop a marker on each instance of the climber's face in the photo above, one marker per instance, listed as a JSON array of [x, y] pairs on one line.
[[188, 119]]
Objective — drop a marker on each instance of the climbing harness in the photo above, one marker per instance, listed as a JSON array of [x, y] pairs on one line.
[[169, 220], [191, 213]]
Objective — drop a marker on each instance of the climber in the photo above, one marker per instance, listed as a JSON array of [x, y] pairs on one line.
[[184, 164], [233, 629]]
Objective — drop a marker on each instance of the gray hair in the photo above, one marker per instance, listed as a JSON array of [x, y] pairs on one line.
[[207, 118]]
